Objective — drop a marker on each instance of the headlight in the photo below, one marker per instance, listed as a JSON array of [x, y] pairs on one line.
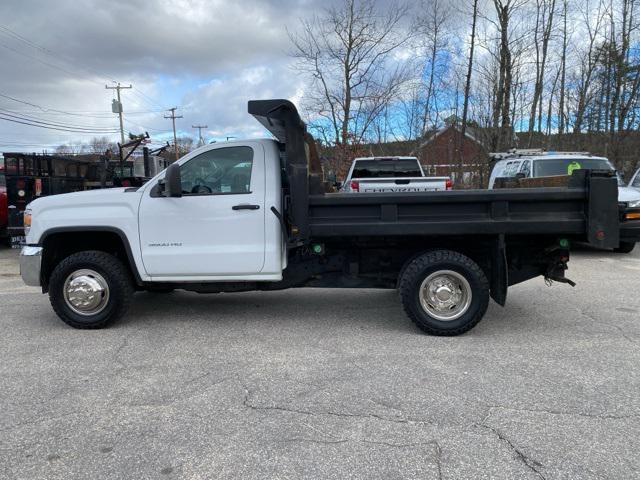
[[634, 204], [27, 221]]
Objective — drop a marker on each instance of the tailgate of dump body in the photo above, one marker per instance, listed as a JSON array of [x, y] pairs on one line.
[[401, 185]]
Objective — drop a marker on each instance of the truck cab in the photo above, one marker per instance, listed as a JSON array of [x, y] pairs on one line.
[[227, 192]]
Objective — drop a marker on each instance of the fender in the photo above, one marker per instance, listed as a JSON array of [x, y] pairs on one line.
[[91, 229]]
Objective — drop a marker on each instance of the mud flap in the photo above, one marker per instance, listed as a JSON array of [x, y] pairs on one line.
[[499, 273]]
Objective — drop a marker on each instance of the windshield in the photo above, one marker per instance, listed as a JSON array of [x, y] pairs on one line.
[[386, 168], [564, 166]]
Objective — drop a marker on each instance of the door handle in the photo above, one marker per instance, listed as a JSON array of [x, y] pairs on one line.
[[245, 206]]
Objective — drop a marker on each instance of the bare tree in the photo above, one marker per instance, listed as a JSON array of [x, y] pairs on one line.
[[467, 84], [502, 108], [185, 145], [563, 70], [545, 10], [99, 145], [346, 52], [69, 148], [432, 29], [459, 160], [411, 111], [556, 73], [589, 59]]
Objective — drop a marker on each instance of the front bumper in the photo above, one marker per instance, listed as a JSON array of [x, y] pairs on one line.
[[30, 265]]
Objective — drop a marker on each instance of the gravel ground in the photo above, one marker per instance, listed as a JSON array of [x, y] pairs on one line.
[[329, 384]]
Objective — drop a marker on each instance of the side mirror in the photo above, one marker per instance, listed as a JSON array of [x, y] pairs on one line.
[[173, 181], [520, 175], [338, 185]]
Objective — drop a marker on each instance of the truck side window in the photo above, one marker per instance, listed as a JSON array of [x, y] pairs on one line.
[[636, 181], [511, 169], [525, 168], [219, 171]]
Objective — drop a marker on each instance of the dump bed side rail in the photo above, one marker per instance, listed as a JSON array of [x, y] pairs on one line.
[[587, 209]]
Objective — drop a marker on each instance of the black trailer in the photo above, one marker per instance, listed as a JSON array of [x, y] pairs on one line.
[[29, 176]]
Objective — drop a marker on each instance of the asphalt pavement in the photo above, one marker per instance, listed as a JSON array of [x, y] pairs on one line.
[[327, 384]]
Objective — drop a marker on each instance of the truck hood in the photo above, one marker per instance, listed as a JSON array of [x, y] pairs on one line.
[[114, 208], [68, 199], [627, 194]]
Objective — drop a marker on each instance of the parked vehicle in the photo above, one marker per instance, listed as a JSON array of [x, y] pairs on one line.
[[635, 180], [391, 174], [29, 176], [538, 163], [252, 215]]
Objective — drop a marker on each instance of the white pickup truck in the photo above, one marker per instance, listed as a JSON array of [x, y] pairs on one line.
[[255, 215], [391, 174]]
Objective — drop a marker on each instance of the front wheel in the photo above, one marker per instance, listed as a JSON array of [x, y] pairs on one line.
[[90, 289], [444, 292], [625, 247]]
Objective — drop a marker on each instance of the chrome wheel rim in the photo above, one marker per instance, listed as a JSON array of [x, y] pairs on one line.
[[445, 295], [86, 292]]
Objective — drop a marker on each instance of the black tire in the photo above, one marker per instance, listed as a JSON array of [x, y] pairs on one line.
[[625, 247], [113, 271], [420, 268]]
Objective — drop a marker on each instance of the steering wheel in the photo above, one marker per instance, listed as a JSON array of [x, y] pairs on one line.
[[200, 186]]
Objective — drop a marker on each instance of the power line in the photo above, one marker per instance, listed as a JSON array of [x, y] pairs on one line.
[[43, 109], [52, 111], [9, 113], [148, 97], [16, 36], [85, 114], [52, 128], [126, 120], [44, 63]]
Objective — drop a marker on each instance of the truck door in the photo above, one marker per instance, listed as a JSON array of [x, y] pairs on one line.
[[217, 227]]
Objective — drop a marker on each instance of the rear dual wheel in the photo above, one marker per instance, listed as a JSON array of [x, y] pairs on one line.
[[444, 292], [625, 247]]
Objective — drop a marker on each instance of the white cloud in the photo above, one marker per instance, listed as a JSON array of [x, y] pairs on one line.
[[208, 56]]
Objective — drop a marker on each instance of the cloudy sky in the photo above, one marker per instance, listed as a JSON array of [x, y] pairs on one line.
[[208, 57]]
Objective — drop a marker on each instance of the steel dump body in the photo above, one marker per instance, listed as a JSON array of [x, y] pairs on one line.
[[544, 211], [586, 210]]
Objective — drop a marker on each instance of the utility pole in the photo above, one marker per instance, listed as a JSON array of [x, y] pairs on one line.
[[200, 138], [117, 107], [173, 120]]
